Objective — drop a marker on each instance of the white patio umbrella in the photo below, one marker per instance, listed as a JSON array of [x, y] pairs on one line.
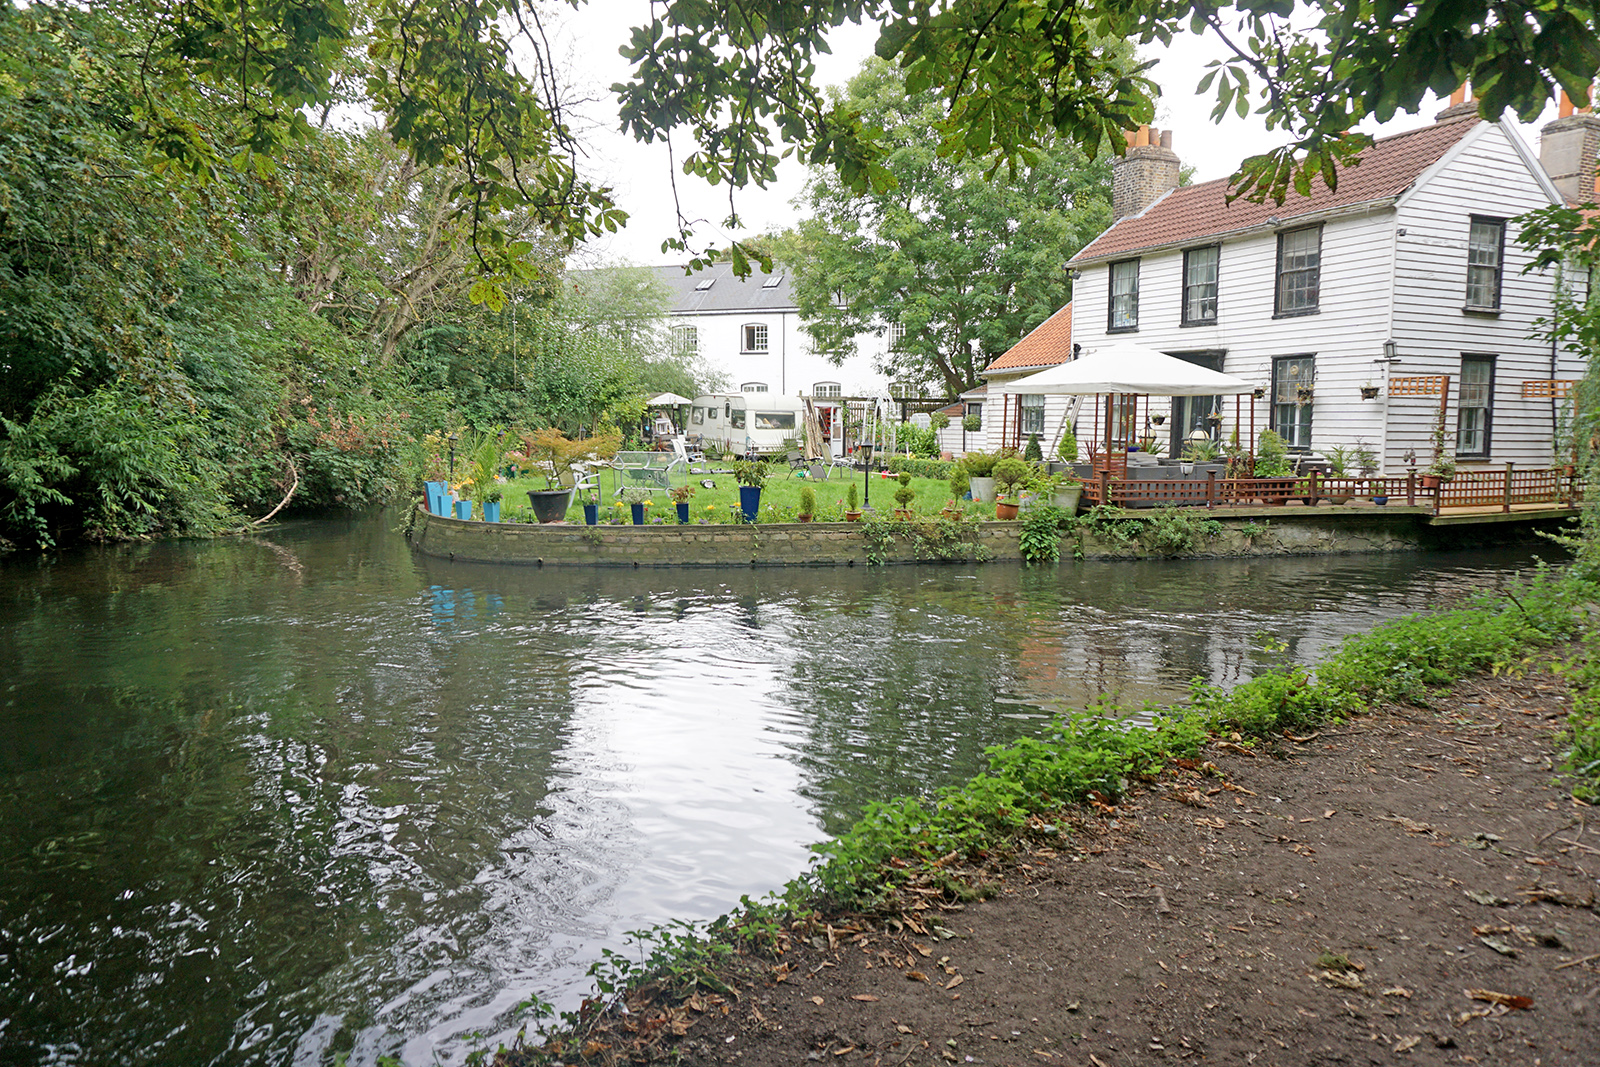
[[1128, 368], [667, 400]]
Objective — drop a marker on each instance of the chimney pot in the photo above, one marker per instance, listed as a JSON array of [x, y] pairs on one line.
[[1146, 173], [1166, 139]]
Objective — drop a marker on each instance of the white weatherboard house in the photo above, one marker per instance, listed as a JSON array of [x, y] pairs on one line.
[[750, 330], [1408, 272]]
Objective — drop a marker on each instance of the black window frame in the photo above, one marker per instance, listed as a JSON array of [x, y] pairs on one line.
[[1216, 287], [1111, 297], [1315, 271], [1498, 268], [1303, 411], [1487, 407]]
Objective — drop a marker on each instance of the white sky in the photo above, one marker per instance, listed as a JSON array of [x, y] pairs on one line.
[[642, 177]]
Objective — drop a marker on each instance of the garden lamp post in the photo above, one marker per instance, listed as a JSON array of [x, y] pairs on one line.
[[452, 440], [866, 476]]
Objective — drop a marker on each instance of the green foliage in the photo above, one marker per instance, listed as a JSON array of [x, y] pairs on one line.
[[1175, 531], [922, 442], [938, 420], [963, 258], [808, 500], [972, 423], [852, 499], [1583, 736], [1067, 449], [1206, 451], [752, 472], [933, 539], [979, 464], [1033, 453], [1040, 537], [960, 483], [1009, 75], [1011, 472], [919, 467], [1272, 455]]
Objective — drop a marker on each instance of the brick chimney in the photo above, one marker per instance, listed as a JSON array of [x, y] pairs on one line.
[[1567, 150], [1148, 172], [1461, 105]]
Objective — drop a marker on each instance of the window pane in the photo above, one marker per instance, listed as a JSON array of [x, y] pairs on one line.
[[1032, 413], [755, 338], [1200, 284], [1125, 294], [1476, 403], [1291, 418], [1483, 262], [1299, 270]]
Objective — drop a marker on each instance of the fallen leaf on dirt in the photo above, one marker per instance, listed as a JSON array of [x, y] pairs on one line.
[[594, 1048], [816, 1000], [922, 950], [1230, 787], [842, 1051], [1499, 946], [1096, 1060], [957, 980], [1467, 1016], [903, 1028], [1214, 824], [1328, 814], [1398, 991], [1406, 1044], [1411, 825], [1302, 740], [864, 996], [1343, 981], [916, 976], [1190, 797], [1505, 1000], [1153, 865], [1488, 900]]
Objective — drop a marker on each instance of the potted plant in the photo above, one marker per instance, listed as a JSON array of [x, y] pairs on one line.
[[1067, 450], [1369, 392], [1302, 395], [751, 475], [808, 503], [1158, 420], [938, 421], [852, 504], [972, 423], [1033, 453], [551, 453], [680, 496], [1200, 450], [591, 510], [1009, 475], [1061, 488], [1272, 471], [1443, 467], [638, 501], [491, 504], [1340, 460], [1258, 393], [980, 474], [904, 496]]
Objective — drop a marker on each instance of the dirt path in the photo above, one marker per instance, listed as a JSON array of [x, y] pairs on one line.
[[1410, 888]]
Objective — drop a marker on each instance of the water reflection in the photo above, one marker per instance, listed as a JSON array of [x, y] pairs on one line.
[[272, 800]]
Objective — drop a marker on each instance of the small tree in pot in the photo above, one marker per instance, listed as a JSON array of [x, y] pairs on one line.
[[904, 496], [1009, 475], [808, 503]]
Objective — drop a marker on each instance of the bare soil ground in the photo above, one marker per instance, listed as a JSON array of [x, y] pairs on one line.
[[1409, 888]]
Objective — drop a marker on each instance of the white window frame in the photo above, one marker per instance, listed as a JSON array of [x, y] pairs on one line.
[[754, 337], [1032, 414], [753, 387], [827, 389]]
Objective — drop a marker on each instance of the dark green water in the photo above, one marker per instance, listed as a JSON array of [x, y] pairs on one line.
[[262, 802]]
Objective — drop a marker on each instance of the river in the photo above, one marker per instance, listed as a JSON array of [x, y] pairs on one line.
[[270, 800]]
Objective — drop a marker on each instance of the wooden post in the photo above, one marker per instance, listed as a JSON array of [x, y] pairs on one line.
[[1211, 488], [1312, 499], [1105, 486], [1411, 488], [1505, 507]]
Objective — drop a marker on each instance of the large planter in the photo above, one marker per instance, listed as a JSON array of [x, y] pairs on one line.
[[491, 511], [683, 513], [638, 513], [550, 505], [1006, 509], [750, 502], [1066, 498], [438, 497], [982, 489], [463, 509], [591, 514]]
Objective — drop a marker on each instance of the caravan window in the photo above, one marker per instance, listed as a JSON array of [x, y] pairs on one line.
[[698, 416], [711, 413], [738, 418], [774, 420]]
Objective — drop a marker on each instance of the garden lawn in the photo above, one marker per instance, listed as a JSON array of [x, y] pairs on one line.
[[780, 497]]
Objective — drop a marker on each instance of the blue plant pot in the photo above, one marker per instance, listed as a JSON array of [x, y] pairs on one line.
[[463, 509], [750, 502], [638, 514], [591, 514], [435, 496], [491, 511], [1380, 500], [683, 514]]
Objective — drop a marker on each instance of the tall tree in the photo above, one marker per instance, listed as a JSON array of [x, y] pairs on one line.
[[739, 74], [957, 263]]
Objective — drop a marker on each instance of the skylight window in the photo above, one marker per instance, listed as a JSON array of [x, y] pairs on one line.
[[773, 281], [703, 284]]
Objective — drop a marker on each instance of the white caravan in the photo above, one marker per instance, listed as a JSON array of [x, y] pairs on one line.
[[744, 423]]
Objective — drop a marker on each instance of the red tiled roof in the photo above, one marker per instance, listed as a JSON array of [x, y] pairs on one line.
[[1387, 168], [1047, 344]]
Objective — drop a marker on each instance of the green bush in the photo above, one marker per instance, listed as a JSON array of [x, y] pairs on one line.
[[1067, 450], [1033, 453], [808, 500], [979, 464], [917, 467]]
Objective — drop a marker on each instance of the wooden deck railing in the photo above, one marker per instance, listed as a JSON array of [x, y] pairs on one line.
[[1507, 488]]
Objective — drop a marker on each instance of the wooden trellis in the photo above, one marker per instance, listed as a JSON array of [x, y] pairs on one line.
[[1559, 388], [1420, 385]]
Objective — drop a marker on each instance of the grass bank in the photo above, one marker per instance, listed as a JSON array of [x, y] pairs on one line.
[[1090, 758]]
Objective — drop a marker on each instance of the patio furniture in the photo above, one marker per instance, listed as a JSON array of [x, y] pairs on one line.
[[653, 469]]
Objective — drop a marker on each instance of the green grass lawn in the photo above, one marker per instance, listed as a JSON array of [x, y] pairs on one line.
[[780, 498]]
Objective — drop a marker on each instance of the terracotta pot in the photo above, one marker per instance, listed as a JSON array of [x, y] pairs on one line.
[[953, 514], [903, 515], [802, 518], [1005, 510], [852, 516]]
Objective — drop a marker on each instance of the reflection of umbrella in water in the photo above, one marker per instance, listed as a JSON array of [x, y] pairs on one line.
[[667, 400]]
